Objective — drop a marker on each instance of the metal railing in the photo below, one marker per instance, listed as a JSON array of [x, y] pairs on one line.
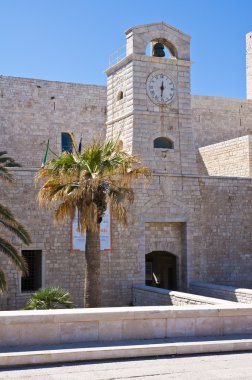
[[117, 56]]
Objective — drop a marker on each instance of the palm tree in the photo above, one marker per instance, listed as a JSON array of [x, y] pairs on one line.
[[50, 298], [87, 183], [8, 221]]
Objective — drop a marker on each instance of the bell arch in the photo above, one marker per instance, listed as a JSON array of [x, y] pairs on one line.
[[169, 47], [176, 41], [160, 45]]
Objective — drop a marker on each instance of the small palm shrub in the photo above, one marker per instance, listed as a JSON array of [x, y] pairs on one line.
[[50, 298]]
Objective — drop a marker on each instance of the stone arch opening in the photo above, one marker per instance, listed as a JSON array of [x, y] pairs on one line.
[[161, 270], [170, 50], [120, 95]]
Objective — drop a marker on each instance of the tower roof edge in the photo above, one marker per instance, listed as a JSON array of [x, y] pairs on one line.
[[160, 23]]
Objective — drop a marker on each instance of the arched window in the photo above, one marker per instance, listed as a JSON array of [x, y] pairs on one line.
[[120, 95], [66, 142], [163, 143]]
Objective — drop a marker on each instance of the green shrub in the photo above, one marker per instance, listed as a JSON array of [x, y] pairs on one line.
[[50, 298]]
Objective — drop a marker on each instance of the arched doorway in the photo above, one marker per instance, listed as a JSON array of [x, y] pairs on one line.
[[161, 270]]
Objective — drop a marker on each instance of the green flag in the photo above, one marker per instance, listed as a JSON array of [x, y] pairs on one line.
[[45, 155]]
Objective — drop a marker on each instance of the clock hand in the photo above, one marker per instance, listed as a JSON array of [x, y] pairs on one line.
[[162, 89]]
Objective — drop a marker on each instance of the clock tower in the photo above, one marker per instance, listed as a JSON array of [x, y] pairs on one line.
[[149, 99]]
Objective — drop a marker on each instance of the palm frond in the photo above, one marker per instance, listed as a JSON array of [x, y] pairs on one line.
[[3, 283], [8, 220], [5, 175], [8, 161], [64, 210], [9, 250], [6, 213], [103, 173], [17, 229]]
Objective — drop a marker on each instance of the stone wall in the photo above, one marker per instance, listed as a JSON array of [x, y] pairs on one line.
[[60, 266], [229, 293], [222, 238], [204, 221], [45, 327], [32, 110], [150, 296], [201, 216], [196, 219], [232, 158], [216, 119]]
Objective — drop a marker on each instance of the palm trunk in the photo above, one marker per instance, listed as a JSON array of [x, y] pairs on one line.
[[92, 288]]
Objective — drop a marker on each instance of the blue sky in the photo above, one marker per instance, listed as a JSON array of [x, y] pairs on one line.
[[71, 40]]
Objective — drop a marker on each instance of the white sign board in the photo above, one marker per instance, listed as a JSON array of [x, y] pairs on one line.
[[79, 240]]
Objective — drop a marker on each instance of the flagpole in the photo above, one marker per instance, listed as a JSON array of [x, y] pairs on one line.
[[45, 155]]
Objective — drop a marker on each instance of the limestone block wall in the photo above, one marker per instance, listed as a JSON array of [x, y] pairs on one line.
[[222, 235], [149, 296], [172, 121], [229, 293], [216, 119], [200, 220], [121, 81], [122, 129], [229, 158], [205, 221], [32, 110], [45, 327], [60, 266], [180, 159]]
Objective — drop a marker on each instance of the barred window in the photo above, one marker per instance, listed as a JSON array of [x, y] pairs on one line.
[[33, 281]]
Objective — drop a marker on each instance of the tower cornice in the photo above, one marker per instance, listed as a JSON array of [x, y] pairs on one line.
[[143, 58]]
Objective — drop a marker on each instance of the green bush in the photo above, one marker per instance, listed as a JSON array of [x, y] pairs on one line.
[[50, 298]]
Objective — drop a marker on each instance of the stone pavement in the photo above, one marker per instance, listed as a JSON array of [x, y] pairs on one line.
[[236, 366]]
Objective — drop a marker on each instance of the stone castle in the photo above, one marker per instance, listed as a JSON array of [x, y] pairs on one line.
[[191, 222]]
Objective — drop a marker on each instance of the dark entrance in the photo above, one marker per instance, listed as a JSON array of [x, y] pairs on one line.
[[161, 270]]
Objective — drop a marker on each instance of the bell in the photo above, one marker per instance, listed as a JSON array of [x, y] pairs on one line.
[[158, 50]]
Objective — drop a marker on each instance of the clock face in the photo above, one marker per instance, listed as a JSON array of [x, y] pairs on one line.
[[160, 88]]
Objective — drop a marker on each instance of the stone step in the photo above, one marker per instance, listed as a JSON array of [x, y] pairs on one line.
[[30, 355]]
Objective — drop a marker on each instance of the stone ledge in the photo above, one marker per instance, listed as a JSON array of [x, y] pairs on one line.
[[122, 349]]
